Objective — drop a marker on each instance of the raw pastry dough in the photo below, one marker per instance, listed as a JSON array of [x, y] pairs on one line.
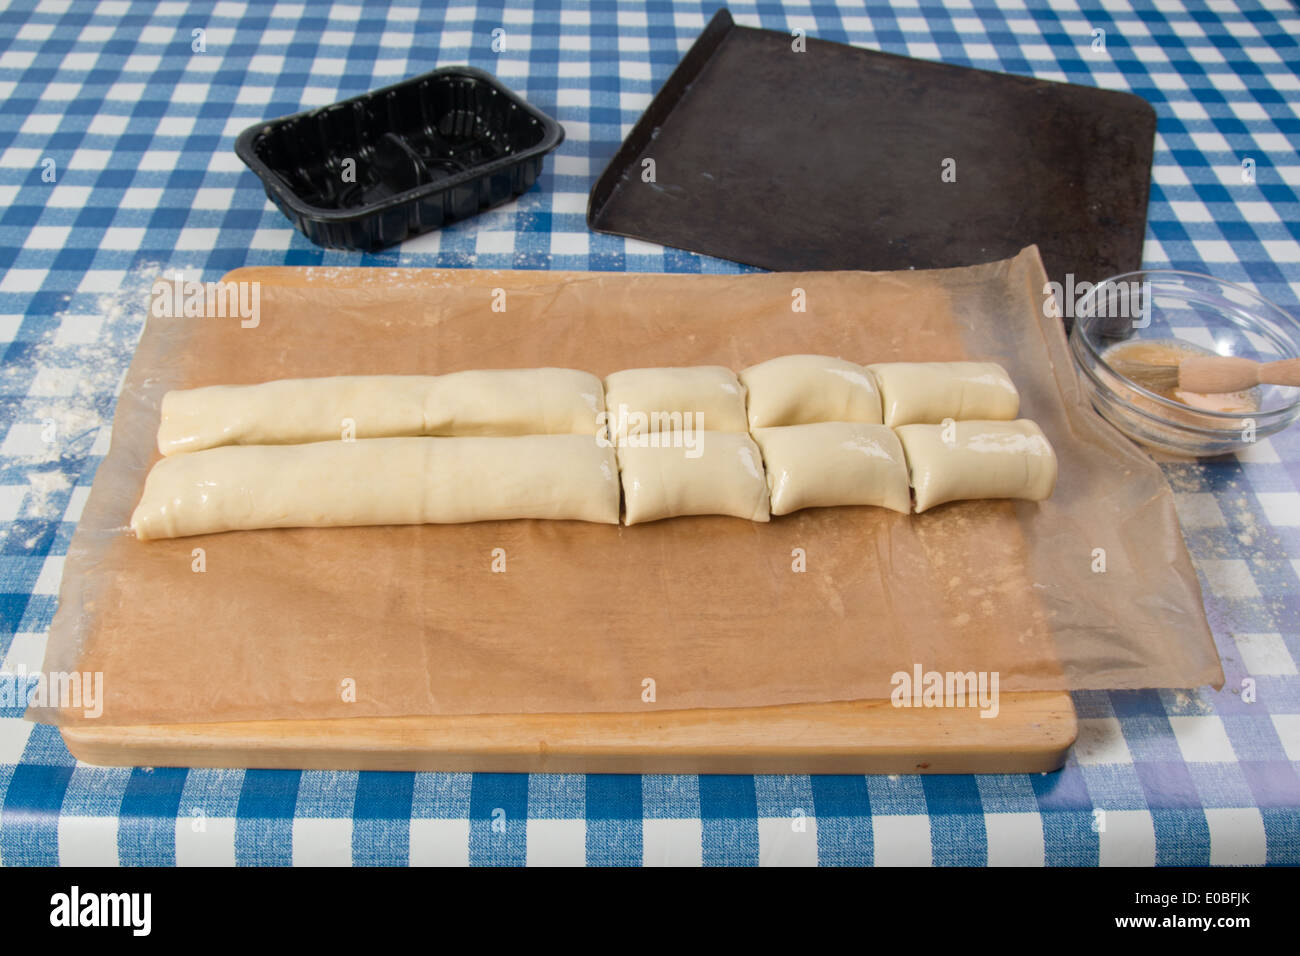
[[725, 479], [984, 460], [379, 481], [541, 401], [292, 410], [655, 399], [524, 401], [929, 392], [834, 463], [800, 389]]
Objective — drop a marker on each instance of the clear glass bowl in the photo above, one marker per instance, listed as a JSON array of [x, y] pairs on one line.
[[1211, 316]]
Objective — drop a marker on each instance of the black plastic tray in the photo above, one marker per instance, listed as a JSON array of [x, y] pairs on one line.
[[832, 159], [373, 170]]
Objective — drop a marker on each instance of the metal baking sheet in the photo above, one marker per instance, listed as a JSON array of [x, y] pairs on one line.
[[833, 158]]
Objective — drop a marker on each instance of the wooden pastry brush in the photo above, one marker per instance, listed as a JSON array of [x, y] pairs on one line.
[[1210, 375]]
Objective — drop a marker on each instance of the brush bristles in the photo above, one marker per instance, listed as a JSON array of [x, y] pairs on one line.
[[1155, 378]]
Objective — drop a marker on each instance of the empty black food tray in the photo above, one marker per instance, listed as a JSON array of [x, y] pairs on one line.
[[373, 170], [833, 158]]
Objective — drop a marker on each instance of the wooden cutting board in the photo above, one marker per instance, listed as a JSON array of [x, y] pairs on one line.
[[1031, 734]]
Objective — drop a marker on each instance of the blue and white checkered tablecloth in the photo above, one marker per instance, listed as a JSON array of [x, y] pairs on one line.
[[135, 128]]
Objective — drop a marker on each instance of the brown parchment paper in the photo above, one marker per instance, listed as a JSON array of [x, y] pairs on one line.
[[283, 622]]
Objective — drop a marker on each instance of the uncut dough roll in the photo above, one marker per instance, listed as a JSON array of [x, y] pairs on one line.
[[725, 478], [523, 401], [379, 481], [292, 410], [802, 389], [929, 392], [984, 460], [834, 463], [642, 400], [536, 401]]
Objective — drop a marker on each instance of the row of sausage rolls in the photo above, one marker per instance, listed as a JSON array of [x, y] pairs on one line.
[[804, 431], [492, 444]]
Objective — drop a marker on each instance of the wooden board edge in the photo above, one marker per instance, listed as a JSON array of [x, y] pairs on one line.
[[1032, 734]]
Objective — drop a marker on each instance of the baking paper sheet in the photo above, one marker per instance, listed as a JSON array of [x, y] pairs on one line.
[[685, 613]]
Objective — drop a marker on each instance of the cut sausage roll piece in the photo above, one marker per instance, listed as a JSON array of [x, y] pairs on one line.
[[956, 461], [527, 401], [929, 392], [722, 474], [802, 389], [379, 481], [641, 400], [834, 463]]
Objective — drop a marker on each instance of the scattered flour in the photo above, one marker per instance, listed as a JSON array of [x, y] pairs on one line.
[[89, 377], [47, 495]]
